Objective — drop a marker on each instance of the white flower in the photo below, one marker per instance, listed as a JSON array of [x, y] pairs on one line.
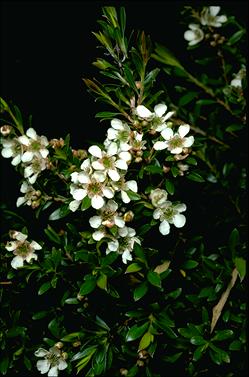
[[34, 168], [33, 145], [175, 142], [23, 249], [124, 186], [124, 243], [52, 363], [170, 214], [120, 133], [237, 81], [12, 148], [194, 35], [107, 162], [158, 118], [209, 17], [108, 216], [158, 197], [30, 194]]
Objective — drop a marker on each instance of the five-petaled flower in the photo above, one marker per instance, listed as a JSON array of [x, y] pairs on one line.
[[23, 249], [209, 17], [194, 35], [175, 142], [52, 363], [156, 119], [168, 214]]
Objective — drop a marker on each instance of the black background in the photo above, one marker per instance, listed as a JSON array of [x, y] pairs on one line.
[[47, 48]]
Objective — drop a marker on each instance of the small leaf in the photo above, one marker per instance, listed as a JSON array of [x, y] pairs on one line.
[[222, 335], [140, 291], [236, 37], [71, 337], [54, 327], [169, 185], [198, 340], [102, 281], [198, 353], [134, 267], [233, 240], [240, 264], [85, 204], [173, 358], [87, 287], [4, 364], [59, 213], [44, 288], [184, 100], [71, 301], [40, 315], [235, 345], [145, 341], [190, 264], [205, 102], [193, 176], [136, 331], [154, 279], [162, 267]]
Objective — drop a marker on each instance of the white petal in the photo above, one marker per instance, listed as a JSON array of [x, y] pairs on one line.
[[179, 220], [117, 124], [17, 262], [236, 83], [36, 245], [124, 147], [24, 140], [167, 133], [214, 10], [12, 245], [43, 366], [53, 371], [112, 134], [221, 19], [85, 164], [112, 205], [112, 149], [20, 201], [131, 232], [143, 112], [123, 232], [31, 256], [168, 115], [183, 130], [193, 26], [41, 352], [113, 245], [62, 364], [157, 213], [99, 176], [44, 152], [27, 156], [97, 201], [188, 141], [189, 35], [126, 256], [98, 235], [160, 109], [119, 222], [31, 133], [95, 221], [79, 194], [7, 152], [95, 151], [108, 192], [20, 236], [113, 174], [177, 150], [83, 177], [28, 171], [132, 185], [164, 228], [74, 177], [121, 164], [126, 156], [74, 205], [159, 145], [32, 179], [16, 160], [24, 187], [125, 197], [180, 207]]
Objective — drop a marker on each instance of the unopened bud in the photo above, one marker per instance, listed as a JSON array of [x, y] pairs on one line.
[[77, 343], [5, 130], [108, 223], [140, 363], [213, 43], [59, 345], [128, 216], [64, 355], [35, 204], [166, 169], [144, 123], [38, 193], [169, 124], [138, 159], [139, 153], [79, 297], [138, 84], [123, 371], [143, 354]]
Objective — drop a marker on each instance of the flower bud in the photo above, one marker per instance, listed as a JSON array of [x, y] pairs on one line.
[[79, 297], [59, 345], [138, 159], [128, 216], [166, 169], [143, 354], [6, 130], [123, 371], [140, 363], [35, 204], [64, 355], [77, 343]]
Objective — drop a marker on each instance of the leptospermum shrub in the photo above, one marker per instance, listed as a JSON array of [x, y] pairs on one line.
[[139, 269]]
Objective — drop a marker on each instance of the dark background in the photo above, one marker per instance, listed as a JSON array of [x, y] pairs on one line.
[[46, 50]]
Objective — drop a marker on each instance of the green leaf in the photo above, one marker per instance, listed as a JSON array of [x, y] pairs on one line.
[[134, 267], [52, 235], [4, 364], [222, 354], [190, 264], [234, 127], [235, 37], [184, 100], [165, 56], [136, 332], [198, 353], [39, 315], [198, 340], [71, 301], [140, 291], [193, 176], [240, 264], [106, 115], [88, 287], [54, 327], [222, 335], [85, 204], [233, 240], [59, 213], [102, 281], [205, 102], [170, 187], [175, 294], [133, 195], [44, 288], [71, 337], [145, 341], [154, 278], [172, 358], [153, 169], [235, 345]]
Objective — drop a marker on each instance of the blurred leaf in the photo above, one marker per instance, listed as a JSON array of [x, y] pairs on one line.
[[240, 264], [193, 176], [136, 332], [198, 340], [154, 278], [4, 364], [188, 97], [236, 37], [140, 291], [59, 213], [190, 264], [222, 335], [133, 267], [145, 341], [170, 187], [88, 286], [44, 288]]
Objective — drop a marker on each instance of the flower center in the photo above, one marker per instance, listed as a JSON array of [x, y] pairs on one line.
[[175, 142], [94, 188], [107, 162], [23, 249]]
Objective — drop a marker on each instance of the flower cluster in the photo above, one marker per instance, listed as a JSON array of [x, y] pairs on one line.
[[28, 150], [22, 249], [208, 18], [166, 211]]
